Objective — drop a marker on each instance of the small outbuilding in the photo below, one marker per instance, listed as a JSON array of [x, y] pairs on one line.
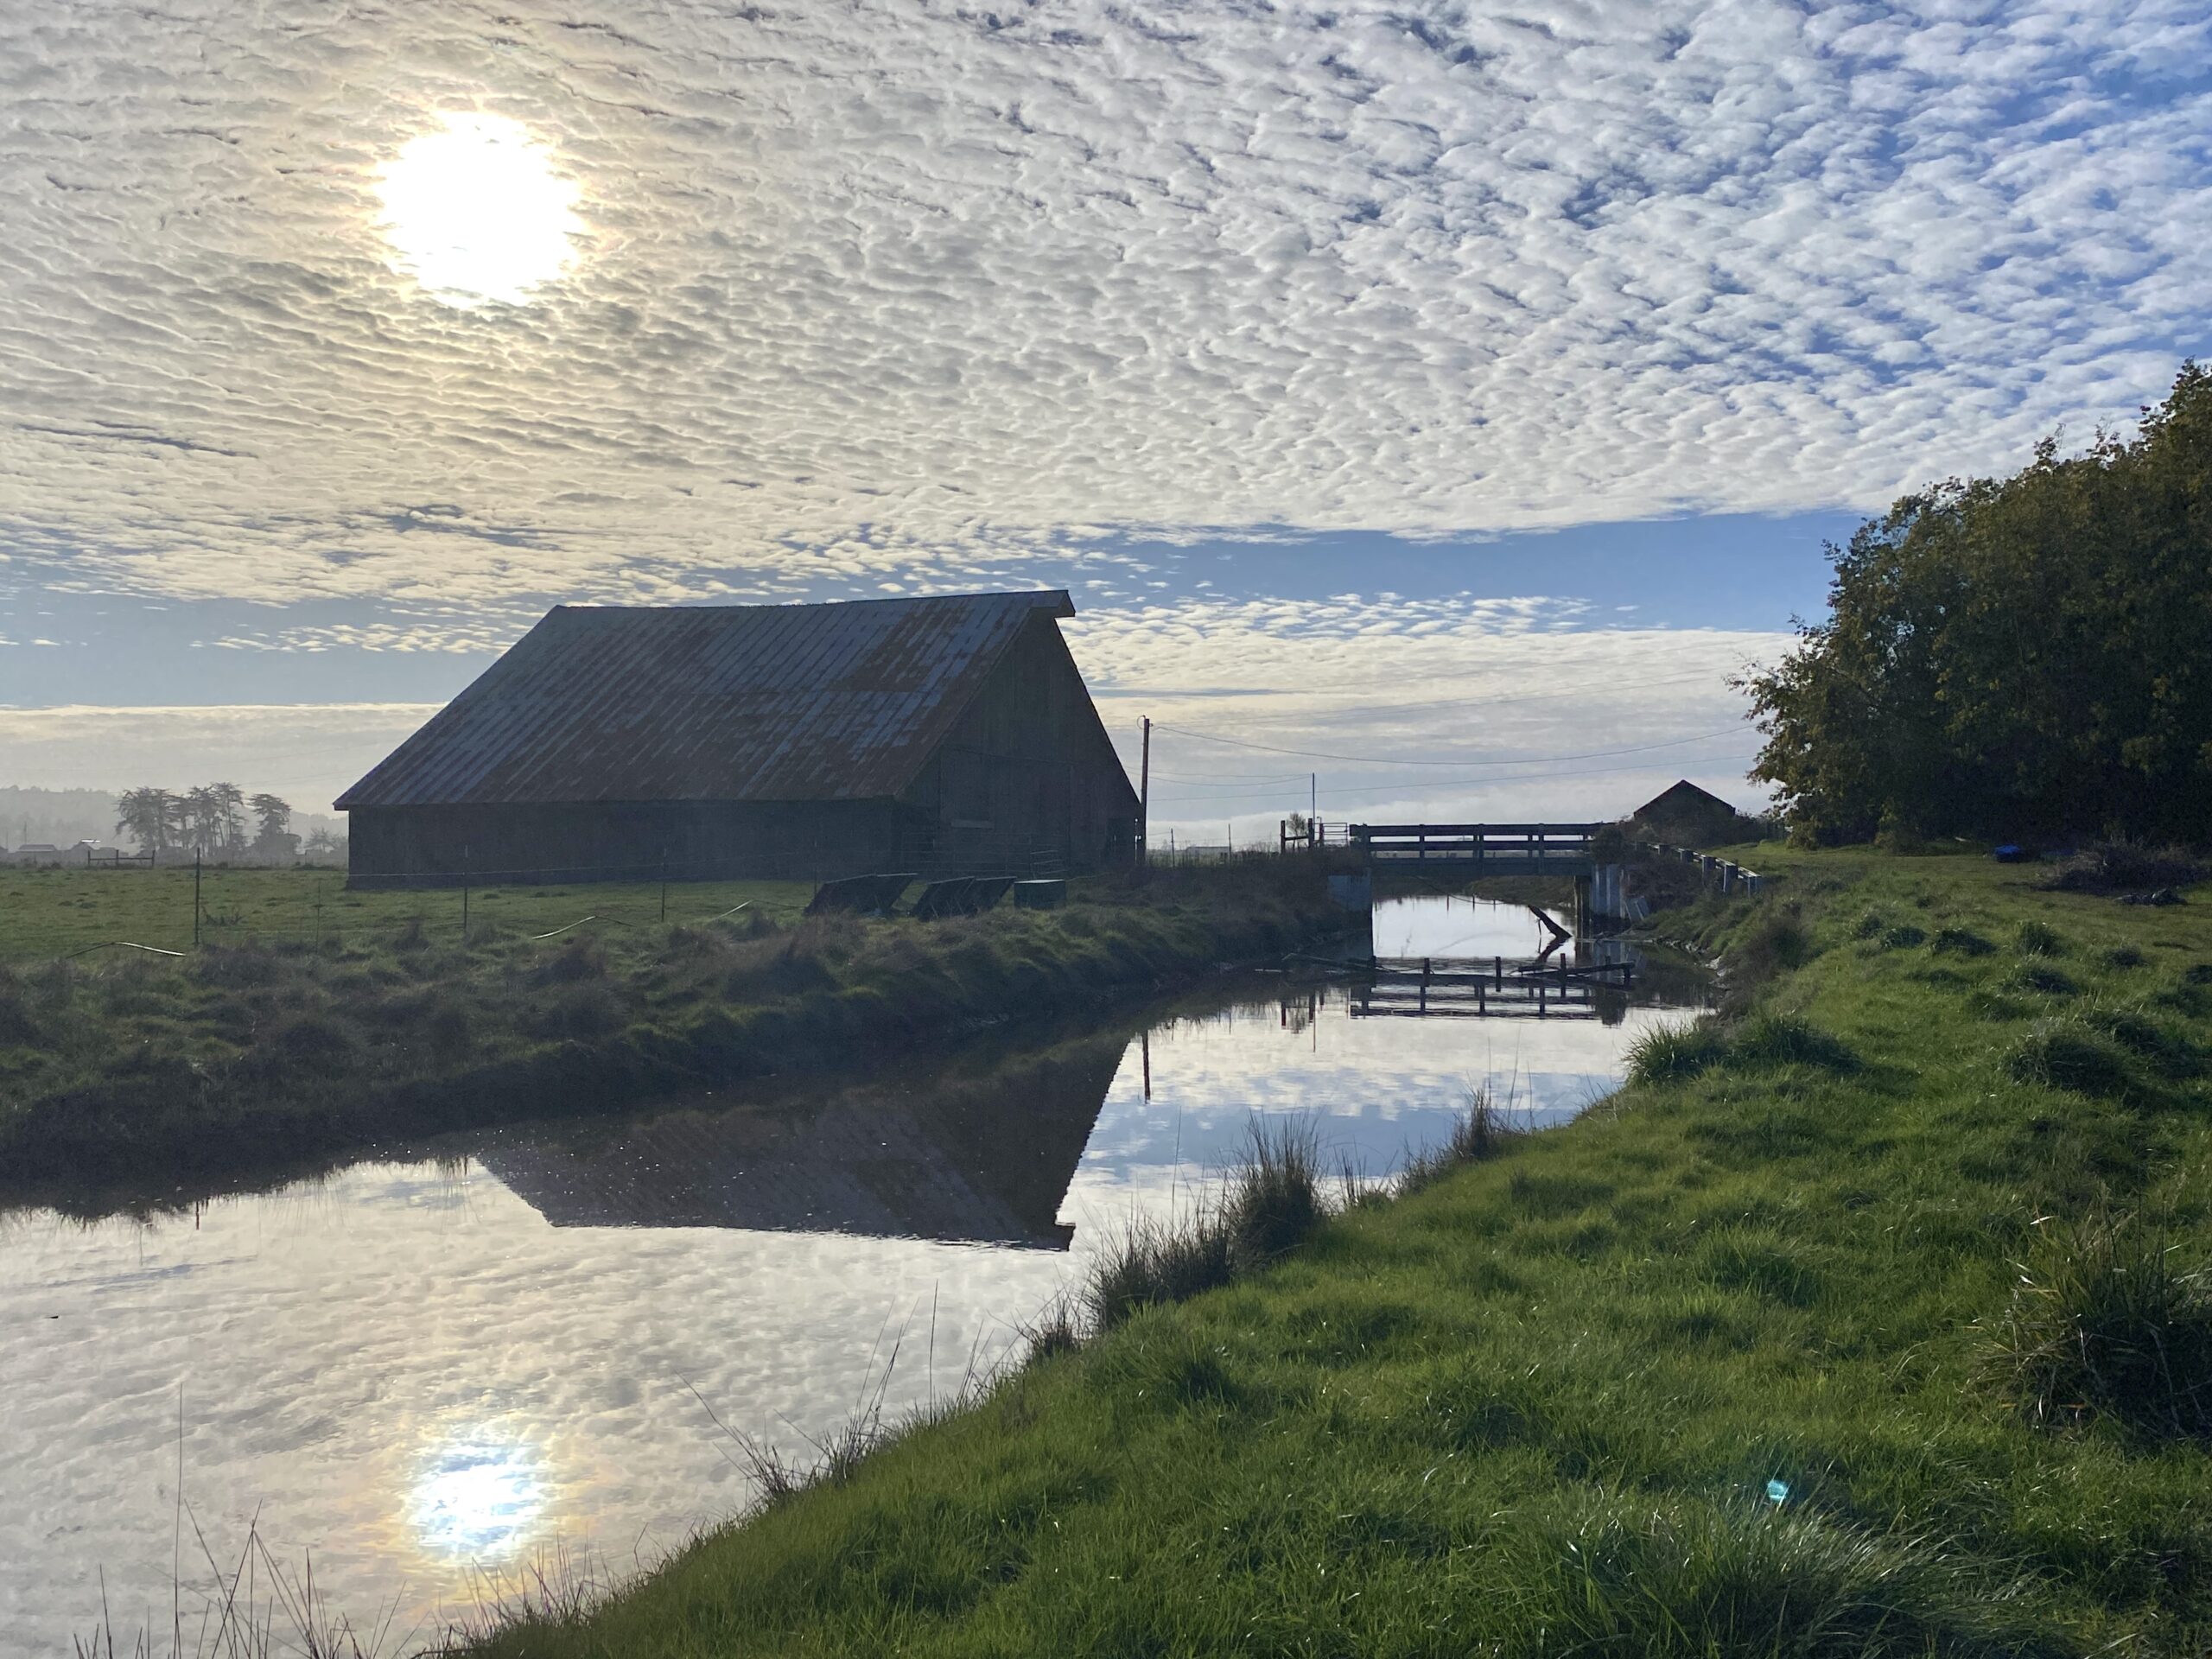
[[1690, 817], [942, 735]]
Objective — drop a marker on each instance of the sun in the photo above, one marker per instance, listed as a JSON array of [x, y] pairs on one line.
[[474, 210]]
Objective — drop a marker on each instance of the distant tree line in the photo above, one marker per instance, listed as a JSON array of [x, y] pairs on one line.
[[212, 820], [2028, 656]]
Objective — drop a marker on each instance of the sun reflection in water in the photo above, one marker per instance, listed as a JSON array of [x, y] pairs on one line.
[[478, 1495]]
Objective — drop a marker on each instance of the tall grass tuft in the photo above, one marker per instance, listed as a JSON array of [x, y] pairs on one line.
[[2170, 1053], [1671, 1053], [2041, 977], [1776, 942], [1961, 942], [2066, 1053], [1053, 1331], [1484, 1131], [1788, 1039], [2039, 940], [1273, 1200], [1747, 1581], [2107, 1323], [1155, 1262]]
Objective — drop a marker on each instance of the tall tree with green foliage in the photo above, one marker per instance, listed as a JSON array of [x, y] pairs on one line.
[[273, 814], [146, 815], [215, 818], [2023, 656]]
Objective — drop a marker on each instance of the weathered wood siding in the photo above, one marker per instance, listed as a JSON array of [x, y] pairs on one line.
[[1029, 768]]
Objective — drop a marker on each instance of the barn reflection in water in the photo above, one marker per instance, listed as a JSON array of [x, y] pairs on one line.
[[983, 1156]]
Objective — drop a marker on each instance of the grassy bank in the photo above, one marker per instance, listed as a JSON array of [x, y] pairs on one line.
[[1866, 1322], [126, 1073]]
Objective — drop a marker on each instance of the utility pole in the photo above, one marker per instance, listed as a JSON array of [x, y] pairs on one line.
[[1144, 800]]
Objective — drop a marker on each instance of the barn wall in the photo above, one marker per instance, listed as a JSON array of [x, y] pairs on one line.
[[1028, 771], [623, 840]]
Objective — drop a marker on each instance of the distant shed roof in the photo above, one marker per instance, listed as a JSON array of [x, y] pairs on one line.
[[1684, 797], [730, 702]]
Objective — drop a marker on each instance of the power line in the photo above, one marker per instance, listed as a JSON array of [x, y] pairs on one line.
[[1287, 777], [1487, 781], [1392, 760], [1122, 694]]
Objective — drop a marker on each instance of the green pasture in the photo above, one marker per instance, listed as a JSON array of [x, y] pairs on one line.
[[52, 912]]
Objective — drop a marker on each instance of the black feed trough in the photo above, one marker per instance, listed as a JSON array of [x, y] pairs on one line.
[[961, 895], [860, 895]]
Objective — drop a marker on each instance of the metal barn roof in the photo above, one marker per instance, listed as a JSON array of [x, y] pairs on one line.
[[752, 703], [1682, 797]]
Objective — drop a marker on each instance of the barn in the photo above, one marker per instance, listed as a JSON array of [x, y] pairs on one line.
[[944, 735], [1692, 817]]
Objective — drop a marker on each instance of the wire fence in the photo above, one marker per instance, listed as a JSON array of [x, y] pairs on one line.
[[164, 909]]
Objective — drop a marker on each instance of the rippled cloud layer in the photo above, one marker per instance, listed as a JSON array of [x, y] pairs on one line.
[[906, 294]]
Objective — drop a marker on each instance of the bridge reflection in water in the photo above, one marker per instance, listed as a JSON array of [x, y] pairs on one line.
[[1592, 981]]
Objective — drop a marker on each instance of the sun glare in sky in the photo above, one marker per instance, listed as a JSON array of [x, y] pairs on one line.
[[476, 212]]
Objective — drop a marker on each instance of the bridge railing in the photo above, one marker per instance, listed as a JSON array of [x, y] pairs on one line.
[[1520, 846]]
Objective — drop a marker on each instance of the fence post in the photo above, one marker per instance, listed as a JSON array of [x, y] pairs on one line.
[[195, 898]]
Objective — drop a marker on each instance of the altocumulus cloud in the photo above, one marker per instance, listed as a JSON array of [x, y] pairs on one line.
[[888, 291]]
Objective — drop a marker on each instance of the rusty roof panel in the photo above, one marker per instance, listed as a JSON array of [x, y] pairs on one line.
[[729, 703]]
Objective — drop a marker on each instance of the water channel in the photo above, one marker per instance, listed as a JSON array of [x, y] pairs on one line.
[[427, 1377]]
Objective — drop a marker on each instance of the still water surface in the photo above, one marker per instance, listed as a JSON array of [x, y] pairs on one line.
[[433, 1374]]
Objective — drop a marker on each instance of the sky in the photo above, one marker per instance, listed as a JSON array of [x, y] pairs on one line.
[[1430, 408]]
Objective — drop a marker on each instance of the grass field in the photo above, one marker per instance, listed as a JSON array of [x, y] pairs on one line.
[[130, 1077], [1871, 1320], [45, 913]]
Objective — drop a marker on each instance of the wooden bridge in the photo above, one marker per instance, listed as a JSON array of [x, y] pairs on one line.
[[1467, 852], [1479, 848]]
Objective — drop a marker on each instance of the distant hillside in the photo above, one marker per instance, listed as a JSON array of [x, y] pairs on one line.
[[60, 816]]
